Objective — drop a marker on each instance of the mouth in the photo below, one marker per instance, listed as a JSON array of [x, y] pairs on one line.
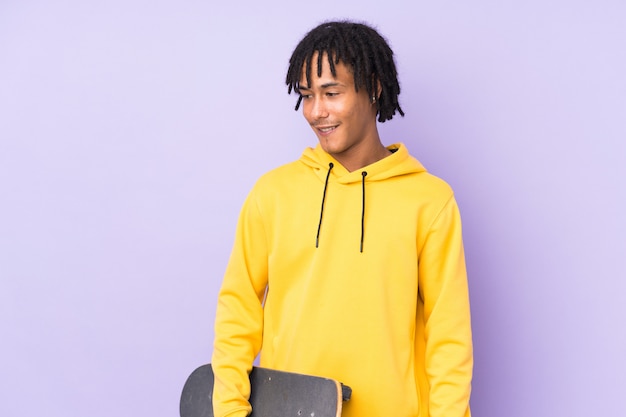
[[326, 130]]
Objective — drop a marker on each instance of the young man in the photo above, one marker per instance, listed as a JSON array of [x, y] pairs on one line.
[[348, 263]]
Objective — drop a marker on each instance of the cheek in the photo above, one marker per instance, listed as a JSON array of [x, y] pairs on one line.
[[303, 109], [363, 111], [338, 109], [346, 111], [306, 114], [306, 111]]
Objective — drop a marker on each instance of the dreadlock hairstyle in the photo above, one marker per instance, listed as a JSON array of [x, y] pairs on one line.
[[359, 47]]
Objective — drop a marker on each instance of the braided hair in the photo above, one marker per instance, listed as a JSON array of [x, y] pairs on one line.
[[361, 49]]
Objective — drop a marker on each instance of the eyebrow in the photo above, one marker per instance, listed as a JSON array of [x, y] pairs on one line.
[[325, 85]]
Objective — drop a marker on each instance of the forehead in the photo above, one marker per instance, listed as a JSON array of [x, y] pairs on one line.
[[319, 68]]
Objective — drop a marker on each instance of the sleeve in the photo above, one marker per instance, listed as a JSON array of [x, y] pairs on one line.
[[443, 285], [239, 315]]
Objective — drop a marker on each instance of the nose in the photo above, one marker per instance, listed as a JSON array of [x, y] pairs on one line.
[[318, 108]]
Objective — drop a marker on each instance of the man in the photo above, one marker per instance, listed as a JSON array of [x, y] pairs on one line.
[[348, 263]]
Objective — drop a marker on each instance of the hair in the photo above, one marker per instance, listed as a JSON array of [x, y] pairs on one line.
[[362, 49]]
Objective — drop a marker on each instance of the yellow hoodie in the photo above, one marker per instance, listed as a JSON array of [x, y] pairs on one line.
[[374, 294]]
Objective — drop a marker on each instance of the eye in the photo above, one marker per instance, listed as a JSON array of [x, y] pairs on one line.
[[331, 94], [305, 96]]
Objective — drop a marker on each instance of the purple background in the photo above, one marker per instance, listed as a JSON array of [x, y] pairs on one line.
[[131, 131]]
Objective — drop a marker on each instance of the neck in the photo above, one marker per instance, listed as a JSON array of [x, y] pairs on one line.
[[359, 158]]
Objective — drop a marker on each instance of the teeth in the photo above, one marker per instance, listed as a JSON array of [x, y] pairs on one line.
[[326, 129]]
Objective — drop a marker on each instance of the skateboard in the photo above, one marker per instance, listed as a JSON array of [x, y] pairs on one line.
[[272, 394]]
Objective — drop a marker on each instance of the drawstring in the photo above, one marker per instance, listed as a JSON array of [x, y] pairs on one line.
[[319, 227], [363, 174]]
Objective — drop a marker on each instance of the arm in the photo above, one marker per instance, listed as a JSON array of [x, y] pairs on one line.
[[239, 316], [448, 340]]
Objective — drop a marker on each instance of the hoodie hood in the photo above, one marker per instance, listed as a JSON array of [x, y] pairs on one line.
[[398, 163], [328, 169]]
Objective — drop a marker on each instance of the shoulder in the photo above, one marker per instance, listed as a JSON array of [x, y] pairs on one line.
[[281, 175], [426, 187], [282, 182]]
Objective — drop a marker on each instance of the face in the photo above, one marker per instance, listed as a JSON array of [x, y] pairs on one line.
[[343, 119]]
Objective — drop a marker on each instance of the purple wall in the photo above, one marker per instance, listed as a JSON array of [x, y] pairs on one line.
[[131, 131]]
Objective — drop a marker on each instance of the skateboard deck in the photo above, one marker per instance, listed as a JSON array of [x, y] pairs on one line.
[[272, 394]]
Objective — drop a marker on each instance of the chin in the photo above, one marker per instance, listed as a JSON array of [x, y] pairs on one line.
[[331, 147]]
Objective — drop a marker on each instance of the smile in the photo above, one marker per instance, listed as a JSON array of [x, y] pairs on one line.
[[326, 129]]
